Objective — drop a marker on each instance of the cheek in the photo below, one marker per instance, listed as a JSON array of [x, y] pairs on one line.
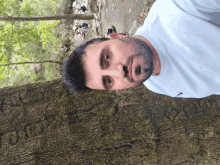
[[125, 84], [136, 84], [121, 56], [87, 77], [120, 49]]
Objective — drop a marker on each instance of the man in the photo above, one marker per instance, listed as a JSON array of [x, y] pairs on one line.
[[82, 8], [84, 25], [176, 53], [82, 33], [75, 28]]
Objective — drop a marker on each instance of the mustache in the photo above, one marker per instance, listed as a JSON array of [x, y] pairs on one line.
[[142, 49], [147, 53]]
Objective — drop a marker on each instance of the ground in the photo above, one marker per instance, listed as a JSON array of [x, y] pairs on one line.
[[125, 15]]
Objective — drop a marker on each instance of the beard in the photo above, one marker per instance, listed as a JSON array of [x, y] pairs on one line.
[[144, 52]]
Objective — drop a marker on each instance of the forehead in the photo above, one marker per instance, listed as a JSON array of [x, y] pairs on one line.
[[89, 57], [90, 62], [89, 52], [92, 46]]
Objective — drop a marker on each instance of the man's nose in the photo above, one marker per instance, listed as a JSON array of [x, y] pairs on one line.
[[115, 70]]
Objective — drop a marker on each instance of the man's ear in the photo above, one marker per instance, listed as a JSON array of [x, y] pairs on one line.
[[116, 35]]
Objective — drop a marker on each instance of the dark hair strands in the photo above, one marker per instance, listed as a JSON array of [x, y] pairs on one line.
[[73, 71]]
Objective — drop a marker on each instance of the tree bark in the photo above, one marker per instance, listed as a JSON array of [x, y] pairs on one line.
[[55, 17], [45, 124]]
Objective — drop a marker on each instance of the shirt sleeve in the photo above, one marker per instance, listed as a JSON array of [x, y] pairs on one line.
[[208, 10]]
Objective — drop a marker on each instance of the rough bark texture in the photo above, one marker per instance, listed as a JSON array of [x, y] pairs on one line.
[[45, 124]]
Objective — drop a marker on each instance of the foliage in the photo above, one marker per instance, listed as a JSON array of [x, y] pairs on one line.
[[45, 30], [27, 41]]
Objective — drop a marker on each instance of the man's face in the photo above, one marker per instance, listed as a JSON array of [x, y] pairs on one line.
[[116, 64]]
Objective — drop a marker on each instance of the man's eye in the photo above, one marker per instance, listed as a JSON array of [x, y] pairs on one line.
[[109, 82], [106, 60], [108, 56]]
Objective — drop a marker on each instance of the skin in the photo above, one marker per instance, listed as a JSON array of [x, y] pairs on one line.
[[119, 55]]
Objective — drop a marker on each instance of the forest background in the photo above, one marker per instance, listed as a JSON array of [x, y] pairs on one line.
[[30, 41]]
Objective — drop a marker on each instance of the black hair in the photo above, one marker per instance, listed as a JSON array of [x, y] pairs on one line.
[[73, 71]]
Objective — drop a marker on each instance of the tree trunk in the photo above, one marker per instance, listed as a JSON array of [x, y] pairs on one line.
[[55, 17], [46, 124]]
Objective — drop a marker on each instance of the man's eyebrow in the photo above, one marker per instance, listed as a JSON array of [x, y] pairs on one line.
[[101, 65], [104, 83], [101, 58]]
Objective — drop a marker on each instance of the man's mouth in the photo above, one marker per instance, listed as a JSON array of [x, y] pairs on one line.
[[130, 69]]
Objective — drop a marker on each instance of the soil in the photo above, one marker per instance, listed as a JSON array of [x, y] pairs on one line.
[[125, 15]]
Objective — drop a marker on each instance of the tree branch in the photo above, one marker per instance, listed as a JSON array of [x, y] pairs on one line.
[[55, 17], [57, 62]]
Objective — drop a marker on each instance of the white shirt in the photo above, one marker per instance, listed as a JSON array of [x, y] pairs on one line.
[[186, 36]]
